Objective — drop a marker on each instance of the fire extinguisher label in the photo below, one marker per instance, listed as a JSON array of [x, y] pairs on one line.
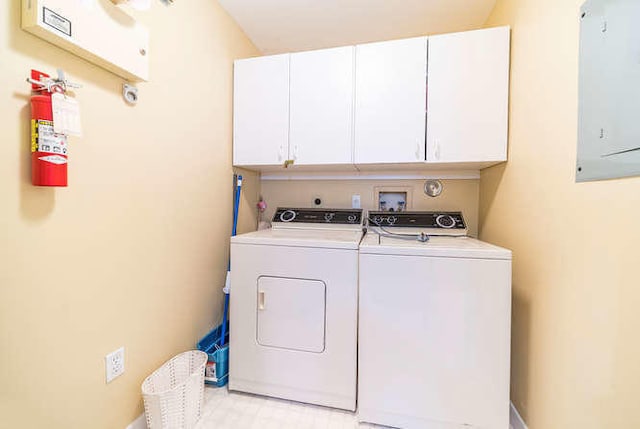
[[54, 159], [44, 139]]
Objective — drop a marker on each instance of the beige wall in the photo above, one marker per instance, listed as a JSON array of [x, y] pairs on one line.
[[457, 195], [576, 289], [134, 252], [248, 213]]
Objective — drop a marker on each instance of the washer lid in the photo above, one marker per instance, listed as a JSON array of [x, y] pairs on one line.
[[449, 247], [320, 238]]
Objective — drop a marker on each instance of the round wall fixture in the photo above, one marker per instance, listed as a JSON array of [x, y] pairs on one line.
[[433, 187], [130, 93]]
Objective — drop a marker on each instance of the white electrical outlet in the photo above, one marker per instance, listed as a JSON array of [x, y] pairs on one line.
[[114, 363], [355, 201]]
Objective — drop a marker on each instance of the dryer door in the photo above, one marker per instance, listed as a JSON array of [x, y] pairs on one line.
[[291, 313]]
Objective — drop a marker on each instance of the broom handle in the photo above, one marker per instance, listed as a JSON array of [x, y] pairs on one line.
[[236, 209]]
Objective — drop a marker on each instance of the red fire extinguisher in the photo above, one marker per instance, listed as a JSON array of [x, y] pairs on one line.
[[48, 148]]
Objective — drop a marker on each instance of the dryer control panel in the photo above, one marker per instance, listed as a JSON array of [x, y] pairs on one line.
[[423, 220], [318, 216]]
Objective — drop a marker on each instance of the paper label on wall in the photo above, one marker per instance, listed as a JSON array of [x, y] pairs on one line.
[[66, 115], [57, 22], [45, 139]]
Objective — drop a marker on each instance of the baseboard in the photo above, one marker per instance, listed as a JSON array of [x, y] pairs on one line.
[[515, 420], [139, 423]]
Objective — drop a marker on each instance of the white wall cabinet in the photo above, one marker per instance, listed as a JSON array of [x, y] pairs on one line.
[[468, 95], [261, 111], [440, 101], [391, 85], [321, 100]]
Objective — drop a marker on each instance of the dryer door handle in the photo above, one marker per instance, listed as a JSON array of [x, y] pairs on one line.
[[261, 300]]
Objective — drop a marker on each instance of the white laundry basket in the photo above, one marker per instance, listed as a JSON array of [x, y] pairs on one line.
[[173, 393]]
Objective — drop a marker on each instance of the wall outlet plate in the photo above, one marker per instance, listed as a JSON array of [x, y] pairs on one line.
[[355, 201], [114, 364]]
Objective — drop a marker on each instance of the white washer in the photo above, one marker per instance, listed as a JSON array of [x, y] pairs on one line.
[[434, 325], [294, 298]]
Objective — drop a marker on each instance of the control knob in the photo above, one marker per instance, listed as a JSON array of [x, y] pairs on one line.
[[287, 216], [445, 221], [352, 218], [329, 216]]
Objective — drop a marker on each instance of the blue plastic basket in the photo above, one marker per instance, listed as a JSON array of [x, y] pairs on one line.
[[217, 369]]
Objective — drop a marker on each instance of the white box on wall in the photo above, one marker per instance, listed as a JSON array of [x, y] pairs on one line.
[[95, 30], [609, 94]]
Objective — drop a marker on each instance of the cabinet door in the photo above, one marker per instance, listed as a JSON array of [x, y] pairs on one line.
[[468, 96], [391, 81], [321, 118], [261, 110]]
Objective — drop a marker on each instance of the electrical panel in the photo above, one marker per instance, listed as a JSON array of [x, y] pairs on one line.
[[609, 90], [96, 30]]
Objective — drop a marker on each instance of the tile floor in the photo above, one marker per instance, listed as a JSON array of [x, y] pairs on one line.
[[224, 410]]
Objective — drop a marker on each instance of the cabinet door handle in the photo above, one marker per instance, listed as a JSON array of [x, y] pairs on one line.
[[419, 155], [295, 152], [280, 154], [436, 151], [261, 300]]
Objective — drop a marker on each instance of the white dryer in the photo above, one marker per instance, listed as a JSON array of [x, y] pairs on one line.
[[294, 298], [434, 324]]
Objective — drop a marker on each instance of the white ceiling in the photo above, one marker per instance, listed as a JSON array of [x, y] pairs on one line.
[[277, 26]]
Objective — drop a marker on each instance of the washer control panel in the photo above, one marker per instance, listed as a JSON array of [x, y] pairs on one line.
[[432, 220], [318, 216]]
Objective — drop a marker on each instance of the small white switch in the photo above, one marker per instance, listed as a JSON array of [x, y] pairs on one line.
[[355, 201]]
